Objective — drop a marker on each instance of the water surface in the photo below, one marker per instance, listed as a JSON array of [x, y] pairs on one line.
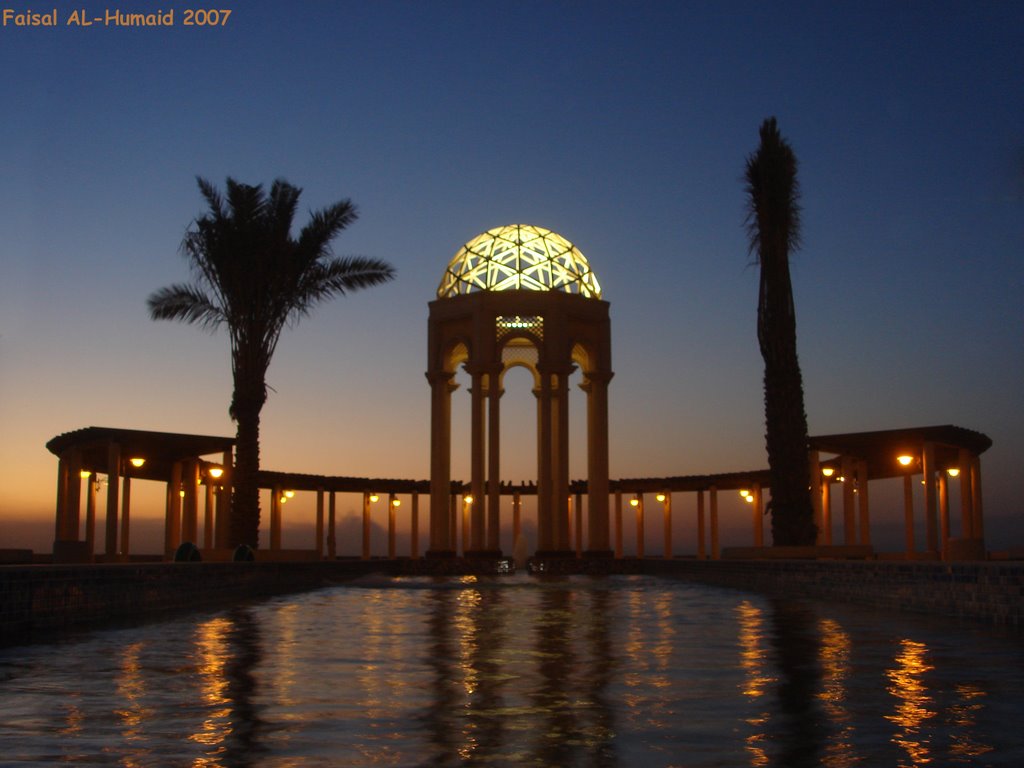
[[516, 671]]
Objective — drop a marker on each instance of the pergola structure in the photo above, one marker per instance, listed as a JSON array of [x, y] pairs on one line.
[[518, 295], [126, 454], [936, 454]]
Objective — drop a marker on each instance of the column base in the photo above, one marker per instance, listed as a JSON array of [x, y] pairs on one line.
[[555, 554], [489, 554], [439, 554]]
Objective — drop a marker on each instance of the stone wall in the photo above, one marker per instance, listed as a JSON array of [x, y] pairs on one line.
[[978, 591], [41, 600]]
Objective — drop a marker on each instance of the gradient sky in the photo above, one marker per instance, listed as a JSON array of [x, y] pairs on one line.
[[622, 126]]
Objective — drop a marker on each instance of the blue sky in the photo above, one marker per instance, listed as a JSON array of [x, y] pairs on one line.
[[622, 126]]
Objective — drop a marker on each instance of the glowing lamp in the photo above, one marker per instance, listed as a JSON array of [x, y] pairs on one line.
[[182, 493], [84, 473], [289, 494], [216, 472], [634, 502], [828, 471], [137, 462], [660, 497], [749, 498], [905, 460], [468, 499], [374, 497], [396, 503], [953, 471]]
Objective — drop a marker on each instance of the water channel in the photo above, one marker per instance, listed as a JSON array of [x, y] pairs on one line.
[[520, 671]]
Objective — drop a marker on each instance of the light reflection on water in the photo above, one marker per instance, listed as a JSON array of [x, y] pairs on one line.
[[513, 671]]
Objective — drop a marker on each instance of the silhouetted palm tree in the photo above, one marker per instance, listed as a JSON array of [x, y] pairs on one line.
[[773, 224], [254, 277]]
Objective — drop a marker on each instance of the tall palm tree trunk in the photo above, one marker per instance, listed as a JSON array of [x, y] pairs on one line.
[[245, 504], [774, 227]]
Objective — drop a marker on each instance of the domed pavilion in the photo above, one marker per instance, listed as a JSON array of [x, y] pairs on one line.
[[519, 295]]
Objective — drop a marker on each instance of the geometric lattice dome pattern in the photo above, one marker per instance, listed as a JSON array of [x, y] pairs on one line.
[[519, 257]]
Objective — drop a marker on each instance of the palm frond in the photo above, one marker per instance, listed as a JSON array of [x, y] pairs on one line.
[[186, 303]]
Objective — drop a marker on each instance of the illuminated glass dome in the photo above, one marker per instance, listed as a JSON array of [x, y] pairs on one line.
[[519, 257]]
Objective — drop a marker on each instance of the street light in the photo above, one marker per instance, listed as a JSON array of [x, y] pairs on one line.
[[905, 460], [953, 471], [828, 471], [137, 462]]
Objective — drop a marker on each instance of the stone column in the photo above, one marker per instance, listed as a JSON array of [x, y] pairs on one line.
[[545, 513], [494, 394], [849, 516], [414, 524], [716, 551], [517, 507], [126, 510], [578, 523], [825, 534], [441, 388], [90, 516], [863, 508], [172, 520], [757, 515], [943, 515], [209, 518], [702, 553], [190, 510], [667, 521], [221, 537], [560, 500], [319, 523], [365, 552], [477, 450], [908, 516], [596, 387], [392, 512], [966, 496], [113, 486], [640, 526], [618, 525], [930, 506], [275, 517], [978, 517], [814, 466], [332, 518]]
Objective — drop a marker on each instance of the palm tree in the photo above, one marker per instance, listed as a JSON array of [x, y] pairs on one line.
[[254, 277], [773, 225]]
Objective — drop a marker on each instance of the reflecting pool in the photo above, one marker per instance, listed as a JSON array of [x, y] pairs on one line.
[[518, 671]]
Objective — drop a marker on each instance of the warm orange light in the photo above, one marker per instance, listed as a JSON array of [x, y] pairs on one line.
[[660, 497], [953, 471], [137, 462], [181, 493], [84, 473], [289, 494], [634, 502], [396, 502], [216, 472], [468, 499], [374, 497], [827, 471], [905, 460], [749, 499], [283, 499]]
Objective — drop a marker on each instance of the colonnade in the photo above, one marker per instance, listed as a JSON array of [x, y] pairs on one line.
[[183, 489]]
